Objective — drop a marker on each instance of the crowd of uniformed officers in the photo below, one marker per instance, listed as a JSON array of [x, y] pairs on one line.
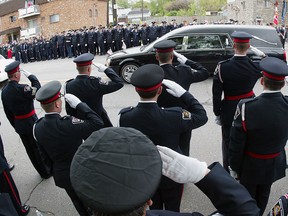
[[97, 40]]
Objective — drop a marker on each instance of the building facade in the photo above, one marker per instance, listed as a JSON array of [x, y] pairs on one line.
[[48, 17], [256, 12]]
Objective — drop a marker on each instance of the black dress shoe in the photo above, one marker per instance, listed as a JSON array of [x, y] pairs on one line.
[[11, 167], [25, 209]]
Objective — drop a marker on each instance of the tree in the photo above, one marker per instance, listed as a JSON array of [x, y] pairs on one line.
[[123, 3]]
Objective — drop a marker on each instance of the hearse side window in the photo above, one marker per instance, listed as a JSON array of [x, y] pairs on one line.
[[178, 42], [204, 42]]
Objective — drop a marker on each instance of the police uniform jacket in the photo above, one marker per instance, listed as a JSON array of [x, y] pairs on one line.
[[18, 104], [164, 125], [90, 90], [258, 137], [59, 138], [234, 77], [184, 75], [227, 195]]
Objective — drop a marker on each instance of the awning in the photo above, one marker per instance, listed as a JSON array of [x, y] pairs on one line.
[[11, 30]]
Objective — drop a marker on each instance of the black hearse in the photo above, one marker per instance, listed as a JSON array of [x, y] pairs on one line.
[[206, 44]]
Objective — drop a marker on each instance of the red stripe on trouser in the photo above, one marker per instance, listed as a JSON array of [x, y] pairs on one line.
[[11, 188]]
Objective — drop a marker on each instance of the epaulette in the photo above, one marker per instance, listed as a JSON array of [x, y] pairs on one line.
[[124, 110], [92, 77], [183, 65], [173, 109], [224, 61], [69, 80], [65, 117], [247, 100], [38, 120]]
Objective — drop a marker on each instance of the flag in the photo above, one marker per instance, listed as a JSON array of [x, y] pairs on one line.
[[284, 10], [29, 3], [275, 20]]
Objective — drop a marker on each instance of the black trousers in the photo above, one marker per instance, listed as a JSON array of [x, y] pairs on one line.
[[81, 209], [260, 192], [168, 198], [34, 154], [225, 145], [7, 185]]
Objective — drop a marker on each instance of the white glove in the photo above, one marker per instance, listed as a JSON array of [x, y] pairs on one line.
[[218, 120], [180, 58], [257, 51], [72, 100], [100, 67], [233, 173], [174, 88], [286, 80], [180, 168], [26, 73]]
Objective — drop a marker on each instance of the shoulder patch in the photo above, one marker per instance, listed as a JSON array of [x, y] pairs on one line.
[[27, 88], [76, 120], [124, 110], [186, 115], [103, 82]]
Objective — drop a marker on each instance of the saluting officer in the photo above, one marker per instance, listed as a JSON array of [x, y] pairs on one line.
[[162, 125], [186, 73], [235, 78], [259, 134], [18, 104], [59, 137], [90, 89]]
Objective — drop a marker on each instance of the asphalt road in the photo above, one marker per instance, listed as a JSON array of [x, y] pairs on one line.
[[51, 200]]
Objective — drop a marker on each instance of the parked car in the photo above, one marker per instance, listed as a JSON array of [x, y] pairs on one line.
[[206, 44], [3, 63]]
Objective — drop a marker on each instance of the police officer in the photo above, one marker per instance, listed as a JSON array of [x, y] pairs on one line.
[[118, 37], [54, 46], [149, 118], [186, 73], [90, 89], [259, 134], [90, 41], [163, 29], [68, 44], [235, 78], [18, 106], [100, 41], [128, 35], [153, 32], [144, 34], [125, 170], [59, 137]]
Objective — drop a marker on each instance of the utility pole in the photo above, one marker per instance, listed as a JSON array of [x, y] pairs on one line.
[[142, 12], [114, 11]]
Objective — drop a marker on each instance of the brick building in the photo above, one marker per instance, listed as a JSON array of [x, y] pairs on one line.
[[47, 17], [257, 12]]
